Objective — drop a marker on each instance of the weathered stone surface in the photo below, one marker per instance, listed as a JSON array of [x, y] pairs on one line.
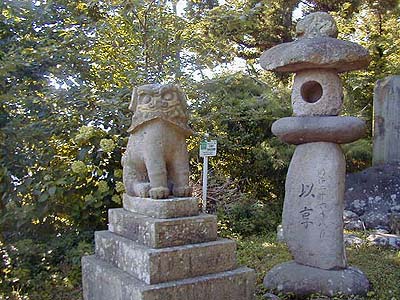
[[302, 280], [159, 233], [166, 264], [374, 195], [352, 240], [387, 120], [156, 154], [317, 92], [354, 225], [352, 221], [316, 48], [102, 281], [358, 206], [384, 240], [300, 130], [279, 234], [164, 209], [269, 296], [349, 239], [348, 215], [313, 207], [315, 53], [395, 209], [394, 222], [317, 24], [376, 219]]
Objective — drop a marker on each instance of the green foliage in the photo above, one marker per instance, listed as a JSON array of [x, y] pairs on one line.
[[48, 269], [238, 111], [247, 217], [61, 138], [137, 42], [245, 28], [358, 155], [76, 190]]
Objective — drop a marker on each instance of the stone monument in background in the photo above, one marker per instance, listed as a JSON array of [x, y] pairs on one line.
[[387, 120], [314, 198], [159, 247]]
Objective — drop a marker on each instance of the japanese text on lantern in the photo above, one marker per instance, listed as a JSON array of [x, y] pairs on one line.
[[316, 191]]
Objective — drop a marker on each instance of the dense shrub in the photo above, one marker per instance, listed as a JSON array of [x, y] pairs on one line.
[[44, 269], [358, 155]]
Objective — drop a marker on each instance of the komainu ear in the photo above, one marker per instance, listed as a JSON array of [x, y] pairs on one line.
[[133, 104]]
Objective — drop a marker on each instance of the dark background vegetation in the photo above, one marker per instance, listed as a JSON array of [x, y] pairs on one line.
[[66, 72]]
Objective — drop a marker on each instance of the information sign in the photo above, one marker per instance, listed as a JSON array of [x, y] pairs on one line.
[[208, 148]]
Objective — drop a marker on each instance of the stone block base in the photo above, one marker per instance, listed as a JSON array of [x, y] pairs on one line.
[[101, 281], [161, 233], [302, 280], [166, 264], [164, 208]]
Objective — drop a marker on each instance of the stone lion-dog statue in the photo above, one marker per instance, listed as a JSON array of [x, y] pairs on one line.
[[156, 162]]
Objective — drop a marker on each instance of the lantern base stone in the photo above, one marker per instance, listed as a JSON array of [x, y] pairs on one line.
[[291, 277]]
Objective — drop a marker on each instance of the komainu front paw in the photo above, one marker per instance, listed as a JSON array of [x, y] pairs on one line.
[[142, 189], [159, 192], [182, 191]]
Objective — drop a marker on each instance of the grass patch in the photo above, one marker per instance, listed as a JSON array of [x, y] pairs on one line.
[[382, 266]]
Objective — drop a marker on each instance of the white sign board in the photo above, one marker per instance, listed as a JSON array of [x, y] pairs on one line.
[[208, 148]]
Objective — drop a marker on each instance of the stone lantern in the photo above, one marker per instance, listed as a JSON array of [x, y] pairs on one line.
[[314, 191]]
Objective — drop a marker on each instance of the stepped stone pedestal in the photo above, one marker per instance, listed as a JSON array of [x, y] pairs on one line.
[[163, 250]]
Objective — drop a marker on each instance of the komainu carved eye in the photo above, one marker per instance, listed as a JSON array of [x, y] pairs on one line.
[[144, 99], [168, 96]]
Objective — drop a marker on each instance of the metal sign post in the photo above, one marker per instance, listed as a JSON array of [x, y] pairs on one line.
[[207, 148], [205, 179]]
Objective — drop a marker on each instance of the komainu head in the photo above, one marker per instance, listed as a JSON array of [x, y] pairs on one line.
[[158, 101]]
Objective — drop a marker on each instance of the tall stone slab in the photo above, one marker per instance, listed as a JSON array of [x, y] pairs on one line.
[[314, 191], [313, 210], [387, 120]]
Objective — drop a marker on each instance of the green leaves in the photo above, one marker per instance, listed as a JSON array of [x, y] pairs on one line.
[[52, 190], [43, 197]]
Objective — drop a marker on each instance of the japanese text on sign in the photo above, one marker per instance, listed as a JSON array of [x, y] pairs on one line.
[[208, 148]]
